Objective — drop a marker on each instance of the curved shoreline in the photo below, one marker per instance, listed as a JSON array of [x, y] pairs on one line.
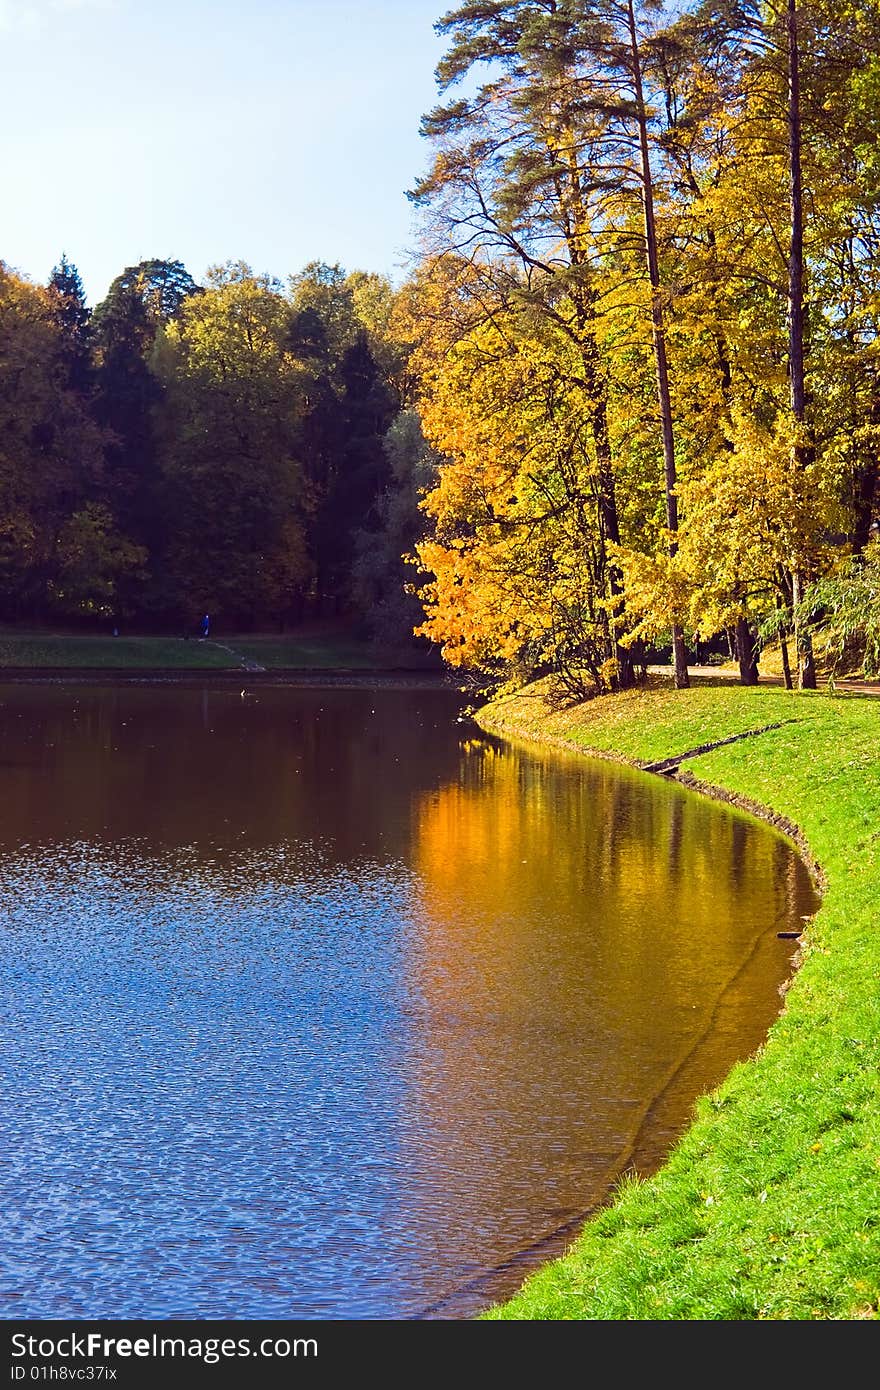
[[712, 790], [740, 1252], [791, 832], [782, 824], [349, 677]]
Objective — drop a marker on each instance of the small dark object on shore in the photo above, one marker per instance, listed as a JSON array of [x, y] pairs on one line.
[[787, 935]]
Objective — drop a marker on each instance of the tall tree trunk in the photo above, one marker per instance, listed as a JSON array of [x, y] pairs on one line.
[[796, 316], [786, 665], [606, 493], [606, 505], [609, 525], [579, 237], [802, 640], [783, 604], [746, 653], [658, 330]]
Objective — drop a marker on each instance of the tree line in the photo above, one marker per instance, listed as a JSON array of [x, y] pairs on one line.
[[240, 446]]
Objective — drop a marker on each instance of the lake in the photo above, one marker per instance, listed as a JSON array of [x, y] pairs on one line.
[[319, 1003]]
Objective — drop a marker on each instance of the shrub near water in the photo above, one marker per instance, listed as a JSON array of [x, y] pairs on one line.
[[769, 1207]]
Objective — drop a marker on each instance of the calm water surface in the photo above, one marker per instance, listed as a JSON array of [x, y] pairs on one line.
[[319, 1004]]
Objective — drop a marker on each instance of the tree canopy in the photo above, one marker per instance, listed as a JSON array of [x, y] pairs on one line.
[[651, 300], [626, 401]]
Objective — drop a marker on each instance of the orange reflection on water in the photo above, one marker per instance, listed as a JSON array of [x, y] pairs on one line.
[[595, 948]]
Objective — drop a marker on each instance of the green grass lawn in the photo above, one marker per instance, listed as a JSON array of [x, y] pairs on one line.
[[769, 1207], [312, 651], [44, 650], [323, 651]]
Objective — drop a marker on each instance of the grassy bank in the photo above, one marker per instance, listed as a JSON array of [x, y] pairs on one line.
[[42, 651], [312, 650], [769, 1207], [325, 651]]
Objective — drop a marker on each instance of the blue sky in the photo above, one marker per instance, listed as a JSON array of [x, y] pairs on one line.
[[275, 132]]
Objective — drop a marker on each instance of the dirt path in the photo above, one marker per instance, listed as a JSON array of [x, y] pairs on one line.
[[244, 661], [844, 686], [669, 766]]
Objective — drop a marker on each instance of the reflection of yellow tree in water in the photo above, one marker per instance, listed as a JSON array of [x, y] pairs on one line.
[[584, 928]]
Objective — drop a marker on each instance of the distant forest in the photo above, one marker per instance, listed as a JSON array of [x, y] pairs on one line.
[[630, 394], [237, 447]]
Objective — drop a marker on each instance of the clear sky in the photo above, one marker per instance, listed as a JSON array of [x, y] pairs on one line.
[[270, 131]]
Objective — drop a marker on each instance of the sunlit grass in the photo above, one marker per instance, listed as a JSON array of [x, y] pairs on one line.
[[769, 1207]]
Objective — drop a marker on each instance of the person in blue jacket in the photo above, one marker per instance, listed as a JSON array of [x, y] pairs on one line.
[[206, 626]]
